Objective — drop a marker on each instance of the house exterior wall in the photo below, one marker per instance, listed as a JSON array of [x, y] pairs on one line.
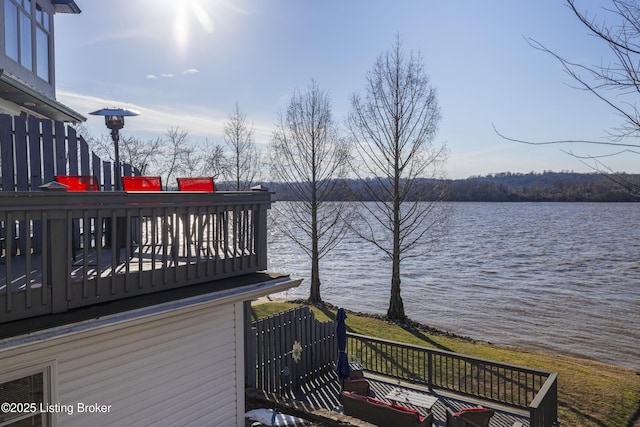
[[180, 367]]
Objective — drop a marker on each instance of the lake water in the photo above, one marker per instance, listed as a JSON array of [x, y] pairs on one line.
[[556, 277]]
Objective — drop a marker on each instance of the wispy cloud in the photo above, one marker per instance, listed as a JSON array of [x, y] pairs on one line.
[[171, 75], [107, 37], [153, 120]]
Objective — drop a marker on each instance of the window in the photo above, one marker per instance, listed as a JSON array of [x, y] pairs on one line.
[[27, 36], [11, 30], [42, 54], [28, 386], [26, 58]]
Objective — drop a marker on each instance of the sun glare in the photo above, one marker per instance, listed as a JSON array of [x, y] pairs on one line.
[[185, 11]]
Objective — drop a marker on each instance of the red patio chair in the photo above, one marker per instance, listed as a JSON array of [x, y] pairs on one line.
[[142, 183], [469, 417], [196, 184], [78, 183], [133, 184]]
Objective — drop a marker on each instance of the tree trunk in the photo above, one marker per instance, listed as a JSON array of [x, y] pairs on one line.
[[396, 306], [314, 295]]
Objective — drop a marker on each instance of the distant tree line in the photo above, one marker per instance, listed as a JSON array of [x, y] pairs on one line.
[[502, 187]]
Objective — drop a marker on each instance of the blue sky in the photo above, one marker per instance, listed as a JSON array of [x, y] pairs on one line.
[[187, 62]]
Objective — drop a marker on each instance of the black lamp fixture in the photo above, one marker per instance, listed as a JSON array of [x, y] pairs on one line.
[[114, 119]]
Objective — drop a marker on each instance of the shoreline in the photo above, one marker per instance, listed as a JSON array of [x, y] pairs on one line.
[[417, 326]]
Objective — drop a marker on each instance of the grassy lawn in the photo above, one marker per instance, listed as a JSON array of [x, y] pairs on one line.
[[589, 393]]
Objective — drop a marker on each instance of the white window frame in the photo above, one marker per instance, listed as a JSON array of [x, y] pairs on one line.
[[47, 371]]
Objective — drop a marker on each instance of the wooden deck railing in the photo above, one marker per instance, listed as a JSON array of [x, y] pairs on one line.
[[58, 250], [523, 388]]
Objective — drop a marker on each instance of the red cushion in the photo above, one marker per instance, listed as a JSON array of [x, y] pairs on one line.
[[405, 409], [463, 410], [377, 402]]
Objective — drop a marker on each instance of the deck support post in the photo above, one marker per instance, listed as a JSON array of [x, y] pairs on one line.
[[59, 259]]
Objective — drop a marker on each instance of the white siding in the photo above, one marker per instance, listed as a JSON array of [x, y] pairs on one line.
[[178, 368]]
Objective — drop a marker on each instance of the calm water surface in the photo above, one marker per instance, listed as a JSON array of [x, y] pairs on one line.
[[559, 277]]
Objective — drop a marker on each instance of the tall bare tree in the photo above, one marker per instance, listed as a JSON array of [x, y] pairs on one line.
[[393, 126], [615, 81], [244, 160], [176, 151], [308, 153]]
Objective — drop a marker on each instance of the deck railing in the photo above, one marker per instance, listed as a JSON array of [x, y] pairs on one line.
[[523, 388], [64, 250]]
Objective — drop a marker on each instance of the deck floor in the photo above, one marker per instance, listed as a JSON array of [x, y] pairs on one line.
[[324, 393]]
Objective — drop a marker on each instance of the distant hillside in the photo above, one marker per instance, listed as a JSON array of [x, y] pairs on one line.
[[547, 187], [513, 187]]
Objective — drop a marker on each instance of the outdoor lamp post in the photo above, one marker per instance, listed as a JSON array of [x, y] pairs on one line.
[[114, 119]]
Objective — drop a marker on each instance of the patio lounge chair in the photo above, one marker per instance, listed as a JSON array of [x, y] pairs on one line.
[[356, 385], [381, 413], [469, 417]]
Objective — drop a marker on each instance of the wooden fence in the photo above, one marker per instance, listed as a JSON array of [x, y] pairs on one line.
[[271, 365], [34, 151]]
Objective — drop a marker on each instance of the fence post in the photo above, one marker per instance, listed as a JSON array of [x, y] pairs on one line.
[[6, 151], [260, 236], [250, 348], [430, 370], [59, 256]]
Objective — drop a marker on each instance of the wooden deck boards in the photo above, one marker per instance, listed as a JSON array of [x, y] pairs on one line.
[[323, 393]]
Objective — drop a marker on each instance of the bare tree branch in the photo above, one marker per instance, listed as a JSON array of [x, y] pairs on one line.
[[616, 83]]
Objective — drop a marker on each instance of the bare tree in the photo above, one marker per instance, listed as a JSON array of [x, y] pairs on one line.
[[238, 135], [176, 151], [308, 154], [393, 126], [214, 162], [143, 155], [615, 82]]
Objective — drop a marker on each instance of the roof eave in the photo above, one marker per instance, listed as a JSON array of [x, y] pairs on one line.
[[65, 6], [20, 93]]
